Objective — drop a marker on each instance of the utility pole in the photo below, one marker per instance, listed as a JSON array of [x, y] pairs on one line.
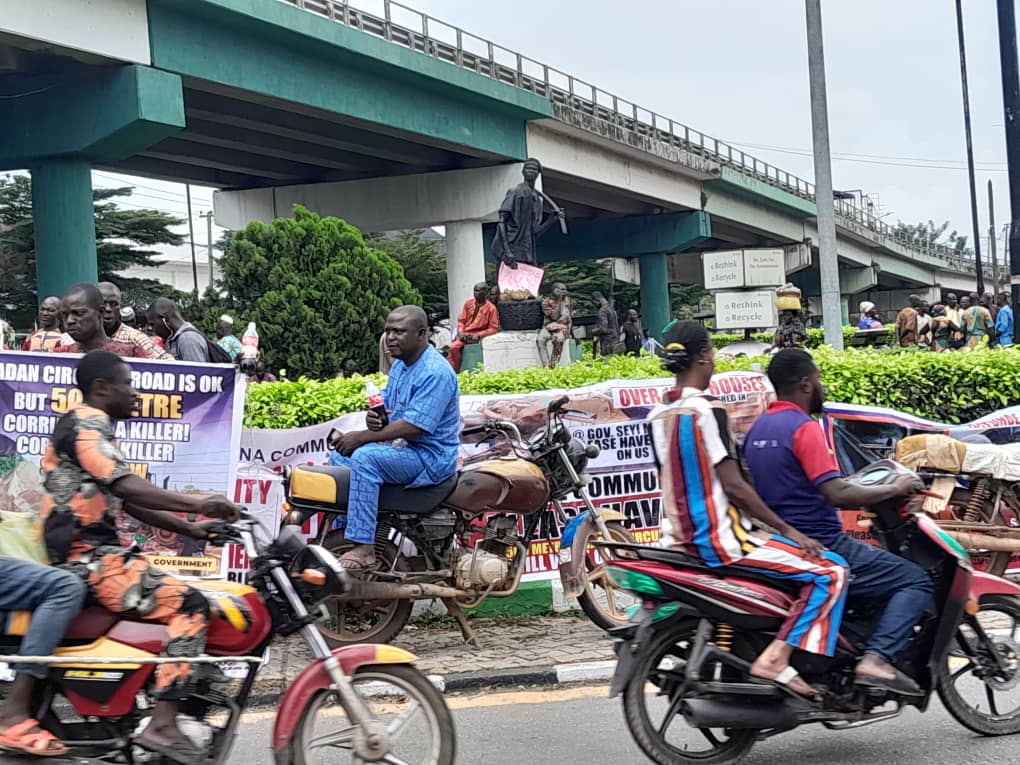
[[970, 151], [991, 239], [209, 243], [1011, 108], [828, 262], [191, 236]]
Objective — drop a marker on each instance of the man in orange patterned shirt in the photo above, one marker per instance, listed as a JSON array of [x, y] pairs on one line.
[[478, 320], [88, 484]]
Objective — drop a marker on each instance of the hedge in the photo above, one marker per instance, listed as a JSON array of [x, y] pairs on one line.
[[816, 337], [948, 387]]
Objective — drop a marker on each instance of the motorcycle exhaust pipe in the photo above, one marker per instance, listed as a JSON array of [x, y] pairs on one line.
[[709, 713], [971, 541]]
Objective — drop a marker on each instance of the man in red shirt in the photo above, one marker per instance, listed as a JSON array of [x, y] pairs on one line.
[[797, 475], [83, 321], [478, 319]]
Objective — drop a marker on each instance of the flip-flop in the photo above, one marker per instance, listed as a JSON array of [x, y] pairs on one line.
[[28, 737], [900, 684], [782, 682], [356, 565], [181, 750]]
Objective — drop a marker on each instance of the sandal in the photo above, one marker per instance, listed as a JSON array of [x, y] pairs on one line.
[[901, 684], [355, 564], [181, 750], [28, 737], [782, 682]]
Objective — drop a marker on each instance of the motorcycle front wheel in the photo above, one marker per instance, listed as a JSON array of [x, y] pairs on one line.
[[651, 707], [364, 621], [417, 721], [982, 696], [602, 601]]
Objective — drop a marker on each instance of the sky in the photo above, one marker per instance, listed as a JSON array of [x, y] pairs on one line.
[[737, 70]]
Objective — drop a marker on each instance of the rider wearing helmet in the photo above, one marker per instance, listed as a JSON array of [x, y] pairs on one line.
[[797, 475], [708, 507]]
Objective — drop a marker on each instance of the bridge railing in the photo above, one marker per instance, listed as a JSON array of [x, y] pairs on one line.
[[418, 31]]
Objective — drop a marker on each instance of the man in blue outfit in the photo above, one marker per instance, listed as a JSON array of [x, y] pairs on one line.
[[54, 597], [417, 447], [1004, 321], [797, 475]]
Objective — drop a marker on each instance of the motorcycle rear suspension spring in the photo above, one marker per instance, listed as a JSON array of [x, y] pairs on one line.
[[724, 636], [980, 492]]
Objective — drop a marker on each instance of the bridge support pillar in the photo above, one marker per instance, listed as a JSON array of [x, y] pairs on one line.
[[64, 222], [465, 262], [654, 293]]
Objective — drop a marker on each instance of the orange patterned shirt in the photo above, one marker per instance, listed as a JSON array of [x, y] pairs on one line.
[[81, 464]]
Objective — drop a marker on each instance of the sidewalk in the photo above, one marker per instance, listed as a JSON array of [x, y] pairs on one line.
[[529, 650]]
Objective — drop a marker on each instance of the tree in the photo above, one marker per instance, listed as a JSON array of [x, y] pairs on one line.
[[925, 235], [424, 264], [124, 238], [317, 293]]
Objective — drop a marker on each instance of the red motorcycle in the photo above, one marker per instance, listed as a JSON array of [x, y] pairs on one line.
[[357, 704], [687, 652]]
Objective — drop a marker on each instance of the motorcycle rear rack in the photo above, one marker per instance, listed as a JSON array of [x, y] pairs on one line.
[[102, 660]]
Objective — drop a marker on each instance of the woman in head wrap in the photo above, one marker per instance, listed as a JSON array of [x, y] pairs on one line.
[[868, 318], [941, 329]]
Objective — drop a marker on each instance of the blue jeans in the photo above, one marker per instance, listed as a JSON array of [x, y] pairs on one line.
[[53, 596], [371, 466], [905, 587]]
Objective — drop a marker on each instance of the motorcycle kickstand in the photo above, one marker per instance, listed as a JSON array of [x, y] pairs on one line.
[[454, 610]]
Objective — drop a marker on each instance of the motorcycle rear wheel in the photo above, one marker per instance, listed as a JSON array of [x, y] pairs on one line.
[[657, 679], [402, 698], [362, 621], [602, 601], [999, 616]]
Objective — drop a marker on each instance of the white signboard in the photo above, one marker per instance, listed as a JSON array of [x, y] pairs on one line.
[[723, 270], [745, 310], [627, 270], [764, 268]]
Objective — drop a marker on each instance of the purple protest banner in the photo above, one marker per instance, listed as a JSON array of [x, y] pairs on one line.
[[184, 436]]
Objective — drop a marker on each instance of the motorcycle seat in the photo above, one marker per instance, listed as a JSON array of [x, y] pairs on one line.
[[90, 624], [680, 559], [327, 487]]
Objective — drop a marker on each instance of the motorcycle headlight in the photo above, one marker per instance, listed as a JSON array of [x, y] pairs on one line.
[[579, 452], [317, 574]]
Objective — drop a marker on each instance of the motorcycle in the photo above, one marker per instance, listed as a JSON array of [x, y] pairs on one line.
[[367, 703], [688, 649], [467, 539]]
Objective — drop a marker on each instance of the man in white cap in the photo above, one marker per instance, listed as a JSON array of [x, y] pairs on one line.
[[225, 333]]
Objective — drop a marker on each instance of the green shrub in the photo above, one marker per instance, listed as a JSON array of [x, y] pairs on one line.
[[948, 387]]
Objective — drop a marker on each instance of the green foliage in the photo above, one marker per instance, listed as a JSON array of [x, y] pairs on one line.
[[424, 264], [317, 292], [816, 337], [947, 387], [124, 238]]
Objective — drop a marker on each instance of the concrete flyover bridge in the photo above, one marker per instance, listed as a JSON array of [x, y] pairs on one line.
[[392, 119]]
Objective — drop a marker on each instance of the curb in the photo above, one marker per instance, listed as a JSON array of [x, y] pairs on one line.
[[559, 674]]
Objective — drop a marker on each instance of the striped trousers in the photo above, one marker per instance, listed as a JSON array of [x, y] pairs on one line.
[[813, 622]]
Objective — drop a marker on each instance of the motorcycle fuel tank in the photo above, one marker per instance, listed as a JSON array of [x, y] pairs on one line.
[[240, 620], [504, 485]]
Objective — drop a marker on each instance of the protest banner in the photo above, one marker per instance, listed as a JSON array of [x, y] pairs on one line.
[[184, 436]]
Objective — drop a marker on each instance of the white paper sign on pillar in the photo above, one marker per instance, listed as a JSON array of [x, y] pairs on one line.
[[723, 270], [745, 310]]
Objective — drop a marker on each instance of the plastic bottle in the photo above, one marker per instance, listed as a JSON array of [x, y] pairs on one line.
[[374, 401], [250, 343]]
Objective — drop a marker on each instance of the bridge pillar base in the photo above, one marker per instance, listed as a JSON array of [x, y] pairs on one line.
[[64, 224]]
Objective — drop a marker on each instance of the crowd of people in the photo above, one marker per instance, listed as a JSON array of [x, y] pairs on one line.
[[92, 316], [967, 322]]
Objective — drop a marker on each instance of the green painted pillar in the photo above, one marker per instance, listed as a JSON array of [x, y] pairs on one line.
[[63, 217], [654, 293]]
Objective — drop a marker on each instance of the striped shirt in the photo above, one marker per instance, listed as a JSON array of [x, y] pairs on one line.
[[691, 437]]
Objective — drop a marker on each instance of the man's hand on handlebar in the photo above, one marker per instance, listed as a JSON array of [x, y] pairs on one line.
[[209, 530], [906, 485], [220, 507]]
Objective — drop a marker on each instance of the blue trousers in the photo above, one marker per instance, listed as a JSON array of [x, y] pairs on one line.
[[905, 587], [53, 596], [371, 466]]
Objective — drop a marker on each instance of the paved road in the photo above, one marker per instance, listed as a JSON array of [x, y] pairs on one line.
[[581, 725]]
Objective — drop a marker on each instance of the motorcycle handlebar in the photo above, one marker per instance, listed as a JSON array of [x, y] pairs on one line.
[[557, 405]]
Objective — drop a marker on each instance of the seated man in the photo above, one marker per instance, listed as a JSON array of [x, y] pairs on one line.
[[88, 485], [54, 597], [559, 324], [797, 475], [417, 447], [478, 320], [707, 507]]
